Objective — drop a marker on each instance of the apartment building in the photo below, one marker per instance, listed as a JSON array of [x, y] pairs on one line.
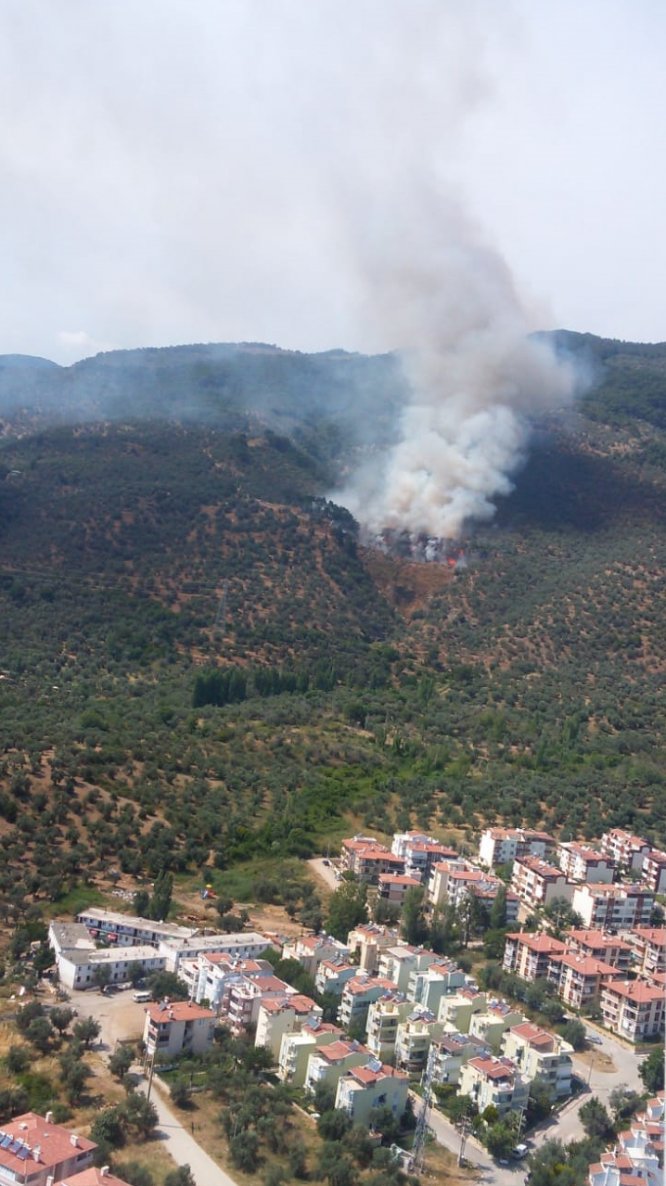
[[393, 887], [398, 963], [364, 1089], [278, 1016], [209, 978], [580, 862], [94, 1177], [491, 1024], [619, 907], [602, 946], [35, 1150], [384, 1017], [178, 1027], [427, 986], [239, 1008], [297, 1046], [237, 945], [357, 997], [437, 893], [627, 850], [414, 1038], [649, 947], [420, 852], [310, 950], [451, 1051], [529, 954], [327, 1063], [541, 1055], [494, 1082], [457, 1010], [332, 975], [633, 1009], [579, 978], [498, 846], [367, 941], [654, 871], [538, 883], [367, 858]]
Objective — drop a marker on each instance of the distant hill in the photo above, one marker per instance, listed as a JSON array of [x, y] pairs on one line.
[[200, 663]]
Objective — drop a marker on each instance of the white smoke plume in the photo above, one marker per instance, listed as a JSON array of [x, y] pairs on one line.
[[475, 374]]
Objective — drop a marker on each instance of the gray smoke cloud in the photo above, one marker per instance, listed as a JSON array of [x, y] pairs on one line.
[[476, 376]]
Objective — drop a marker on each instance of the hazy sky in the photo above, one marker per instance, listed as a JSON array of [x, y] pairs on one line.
[[218, 170]]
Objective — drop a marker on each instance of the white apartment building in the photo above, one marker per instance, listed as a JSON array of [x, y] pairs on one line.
[[357, 997], [327, 1063], [628, 851], [613, 907], [332, 975], [397, 964], [633, 1009], [368, 940], [237, 945], [415, 1035], [498, 846], [654, 871], [384, 1017], [496, 1082], [363, 1089], [541, 1055], [296, 1048], [538, 884], [278, 1016], [111, 926], [310, 950], [178, 1027], [428, 986], [579, 862]]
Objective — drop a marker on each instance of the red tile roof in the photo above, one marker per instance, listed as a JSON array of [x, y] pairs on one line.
[[48, 1145]]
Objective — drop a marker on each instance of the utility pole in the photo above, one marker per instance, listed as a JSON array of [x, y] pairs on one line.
[[464, 1128], [421, 1132]]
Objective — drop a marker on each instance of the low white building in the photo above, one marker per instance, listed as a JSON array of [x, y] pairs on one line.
[[237, 945], [79, 969], [111, 926]]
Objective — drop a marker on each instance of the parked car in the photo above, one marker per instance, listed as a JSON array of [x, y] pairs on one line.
[[594, 1039]]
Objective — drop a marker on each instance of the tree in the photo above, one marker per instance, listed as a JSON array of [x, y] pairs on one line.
[[167, 984], [102, 975], [297, 1159], [500, 1139], [17, 1059], [539, 1103], [86, 1031], [347, 907], [244, 1151], [335, 1166], [595, 1120], [40, 1032], [139, 1114], [120, 1062], [141, 903], [549, 1166], [497, 916], [135, 973], [108, 1129], [651, 1071], [60, 1017], [160, 902], [575, 1033], [333, 1125], [75, 1075], [414, 926], [180, 1177], [181, 1094], [623, 1103], [133, 1172]]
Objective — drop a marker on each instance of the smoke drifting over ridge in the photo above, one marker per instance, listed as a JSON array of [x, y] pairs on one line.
[[475, 374]]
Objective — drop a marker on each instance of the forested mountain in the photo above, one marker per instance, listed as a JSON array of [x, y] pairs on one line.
[[200, 661]]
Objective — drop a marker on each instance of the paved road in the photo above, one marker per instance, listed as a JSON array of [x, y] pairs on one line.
[[183, 1147], [475, 1154], [326, 873], [122, 1018]]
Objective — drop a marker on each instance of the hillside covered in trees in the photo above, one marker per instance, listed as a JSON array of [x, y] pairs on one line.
[[200, 661]]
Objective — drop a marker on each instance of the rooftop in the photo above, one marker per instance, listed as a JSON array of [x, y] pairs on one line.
[[635, 990], [494, 1068], [165, 1011], [29, 1141], [538, 942], [114, 919]]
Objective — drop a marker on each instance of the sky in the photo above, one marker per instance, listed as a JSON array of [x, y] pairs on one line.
[[274, 170]]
